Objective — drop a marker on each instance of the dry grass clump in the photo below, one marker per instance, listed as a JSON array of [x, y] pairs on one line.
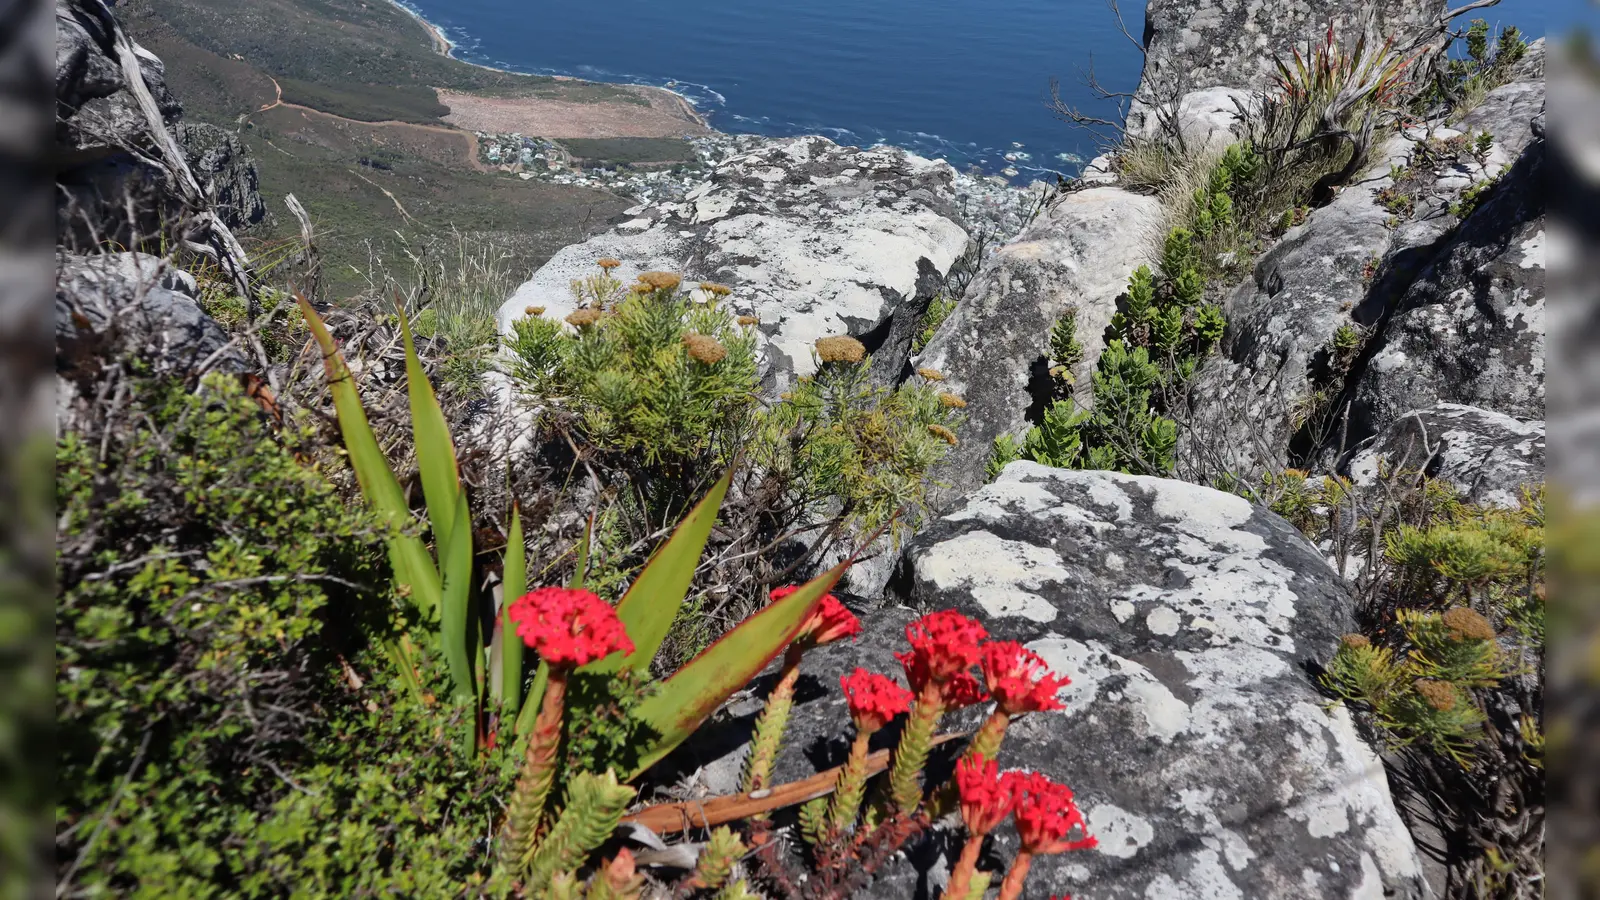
[[931, 374], [951, 401], [749, 320], [840, 349], [533, 311], [943, 434]]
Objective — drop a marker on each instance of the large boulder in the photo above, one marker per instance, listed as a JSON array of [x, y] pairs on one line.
[[1077, 255], [1201, 750], [136, 306], [1470, 329], [1202, 753], [1194, 44], [816, 239], [1489, 457]]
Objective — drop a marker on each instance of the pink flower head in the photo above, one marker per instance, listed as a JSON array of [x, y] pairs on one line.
[[874, 699], [568, 627], [943, 645], [985, 798], [1046, 816], [1020, 679]]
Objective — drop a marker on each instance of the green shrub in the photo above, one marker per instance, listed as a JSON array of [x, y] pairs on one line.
[[217, 604], [1162, 331], [939, 309], [632, 378], [836, 437]]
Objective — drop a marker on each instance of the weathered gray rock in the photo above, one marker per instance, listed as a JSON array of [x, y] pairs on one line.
[[1470, 329], [1488, 456], [225, 171], [1274, 369], [816, 240], [1208, 119], [1202, 754], [96, 117], [1194, 44], [1512, 113], [136, 306], [1201, 751], [992, 350]]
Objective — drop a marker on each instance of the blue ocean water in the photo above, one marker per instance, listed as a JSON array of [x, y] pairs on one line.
[[968, 81]]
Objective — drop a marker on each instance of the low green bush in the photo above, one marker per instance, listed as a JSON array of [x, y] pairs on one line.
[[225, 725], [1162, 330]]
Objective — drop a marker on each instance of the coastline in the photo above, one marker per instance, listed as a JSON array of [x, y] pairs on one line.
[[445, 47]]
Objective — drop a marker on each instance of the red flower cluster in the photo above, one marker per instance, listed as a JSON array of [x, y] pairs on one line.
[[1020, 679], [874, 699], [986, 797], [944, 645], [828, 622], [1046, 815], [567, 627]]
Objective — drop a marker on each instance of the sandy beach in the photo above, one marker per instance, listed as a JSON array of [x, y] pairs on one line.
[[667, 113]]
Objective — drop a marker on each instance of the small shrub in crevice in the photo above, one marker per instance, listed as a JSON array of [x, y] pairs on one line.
[[1160, 334]]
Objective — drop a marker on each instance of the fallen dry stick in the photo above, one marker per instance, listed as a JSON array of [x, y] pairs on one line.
[[667, 818]]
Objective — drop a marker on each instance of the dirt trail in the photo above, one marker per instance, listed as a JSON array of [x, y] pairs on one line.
[[471, 139]]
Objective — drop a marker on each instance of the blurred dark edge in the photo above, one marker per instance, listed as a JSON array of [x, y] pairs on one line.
[[1573, 392], [27, 413]]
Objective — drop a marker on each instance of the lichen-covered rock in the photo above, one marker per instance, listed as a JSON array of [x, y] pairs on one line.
[[1202, 753], [1488, 457], [1470, 329], [226, 172], [992, 350], [136, 306], [1194, 44], [816, 239], [1274, 369]]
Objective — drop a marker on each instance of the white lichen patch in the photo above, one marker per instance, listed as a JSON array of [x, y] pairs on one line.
[[1000, 575], [1163, 620], [1089, 665], [1121, 833], [1204, 877]]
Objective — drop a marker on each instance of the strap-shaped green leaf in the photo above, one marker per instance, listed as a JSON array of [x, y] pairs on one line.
[[653, 601], [513, 585], [413, 568], [436, 453], [695, 691], [455, 557]]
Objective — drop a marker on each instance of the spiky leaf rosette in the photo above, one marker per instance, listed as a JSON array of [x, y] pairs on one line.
[[738, 890], [717, 858], [617, 879], [594, 807]]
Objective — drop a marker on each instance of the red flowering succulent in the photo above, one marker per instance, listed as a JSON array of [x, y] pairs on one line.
[[829, 621], [874, 699], [1020, 680], [568, 627], [1046, 815], [986, 797], [943, 645]]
